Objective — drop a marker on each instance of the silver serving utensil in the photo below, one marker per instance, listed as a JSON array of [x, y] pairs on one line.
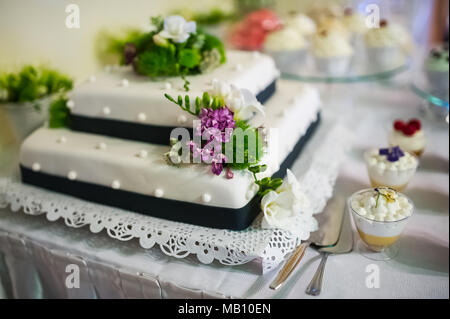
[[330, 221], [344, 245]]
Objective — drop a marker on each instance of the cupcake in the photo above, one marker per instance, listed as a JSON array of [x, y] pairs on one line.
[[287, 47], [334, 25], [354, 22], [332, 52], [303, 24], [409, 136], [436, 69], [380, 216], [390, 167], [384, 47]]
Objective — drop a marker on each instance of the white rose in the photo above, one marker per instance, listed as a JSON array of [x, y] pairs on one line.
[[286, 206], [177, 28]]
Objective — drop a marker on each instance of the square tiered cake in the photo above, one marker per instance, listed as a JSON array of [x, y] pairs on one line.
[[120, 123]]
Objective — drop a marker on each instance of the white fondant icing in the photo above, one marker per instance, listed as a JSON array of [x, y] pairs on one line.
[[144, 95], [159, 193], [115, 184], [123, 158], [92, 78], [36, 167], [206, 198], [72, 175], [167, 85]]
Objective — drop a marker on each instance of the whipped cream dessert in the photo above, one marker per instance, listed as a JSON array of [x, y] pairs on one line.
[[390, 167], [384, 36], [380, 215], [303, 24], [286, 39], [409, 136]]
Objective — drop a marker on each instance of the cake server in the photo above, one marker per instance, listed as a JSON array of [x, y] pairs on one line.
[[330, 221], [344, 245]]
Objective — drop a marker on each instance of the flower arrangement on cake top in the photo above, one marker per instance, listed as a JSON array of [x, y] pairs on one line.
[[223, 114], [224, 139], [175, 47]]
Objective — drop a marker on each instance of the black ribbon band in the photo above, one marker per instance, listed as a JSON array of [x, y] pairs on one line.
[[192, 213], [155, 134]]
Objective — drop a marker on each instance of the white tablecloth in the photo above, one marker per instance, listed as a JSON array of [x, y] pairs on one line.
[[34, 253]]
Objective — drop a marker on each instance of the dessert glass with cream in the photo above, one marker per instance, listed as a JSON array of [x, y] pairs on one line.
[[380, 215], [409, 136], [390, 167]]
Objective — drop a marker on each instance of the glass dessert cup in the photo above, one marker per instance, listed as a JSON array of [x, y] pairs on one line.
[[378, 238], [397, 180]]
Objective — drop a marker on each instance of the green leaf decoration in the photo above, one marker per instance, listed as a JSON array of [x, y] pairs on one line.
[[157, 62], [189, 58]]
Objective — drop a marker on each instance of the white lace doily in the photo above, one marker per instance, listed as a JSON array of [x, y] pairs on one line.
[[317, 170]]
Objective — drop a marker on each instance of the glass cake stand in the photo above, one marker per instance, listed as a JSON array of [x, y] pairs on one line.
[[360, 71], [436, 101]]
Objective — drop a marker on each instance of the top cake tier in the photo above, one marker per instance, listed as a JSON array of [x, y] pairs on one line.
[[121, 95]]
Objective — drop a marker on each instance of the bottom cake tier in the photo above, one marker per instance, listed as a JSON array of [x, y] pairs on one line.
[[135, 176]]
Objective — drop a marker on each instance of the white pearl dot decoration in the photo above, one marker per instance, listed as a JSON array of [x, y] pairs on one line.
[[106, 110], [159, 193], [206, 198], [92, 78], [70, 104], [182, 119], [108, 68], [167, 85], [61, 140], [72, 175], [142, 154], [125, 83], [36, 167], [101, 146], [238, 67], [115, 184], [142, 117], [256, 54]]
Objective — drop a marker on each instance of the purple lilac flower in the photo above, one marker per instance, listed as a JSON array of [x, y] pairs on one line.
[[219, 119]]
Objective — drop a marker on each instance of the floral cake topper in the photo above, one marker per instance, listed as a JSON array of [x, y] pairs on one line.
[[175, 47], [223, 115]]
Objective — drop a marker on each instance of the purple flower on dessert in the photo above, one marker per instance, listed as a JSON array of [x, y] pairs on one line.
[[219, 119], [393, 154]]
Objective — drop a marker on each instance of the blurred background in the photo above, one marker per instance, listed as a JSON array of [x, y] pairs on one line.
[[34, 31]]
